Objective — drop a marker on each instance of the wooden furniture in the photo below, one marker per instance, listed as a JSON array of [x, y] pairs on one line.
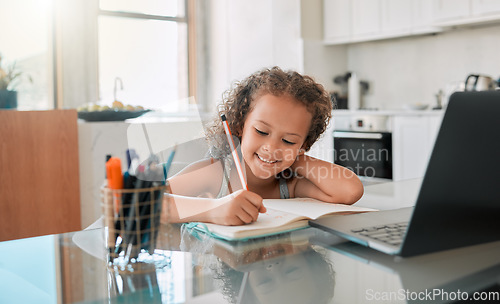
[[39, 177]]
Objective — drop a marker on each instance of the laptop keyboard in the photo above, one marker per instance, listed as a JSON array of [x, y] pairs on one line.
[[391, 234]]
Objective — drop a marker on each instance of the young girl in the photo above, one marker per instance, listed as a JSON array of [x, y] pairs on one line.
[[277, 116]]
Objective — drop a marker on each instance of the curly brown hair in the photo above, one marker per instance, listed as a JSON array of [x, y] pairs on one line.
[[237, 103]]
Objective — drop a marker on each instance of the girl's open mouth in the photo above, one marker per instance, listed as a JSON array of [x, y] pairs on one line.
[[267, 161]]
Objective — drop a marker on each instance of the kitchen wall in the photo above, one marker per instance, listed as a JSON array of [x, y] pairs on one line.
[[241, 37], [247, 36], [320, 61], [412, 70]]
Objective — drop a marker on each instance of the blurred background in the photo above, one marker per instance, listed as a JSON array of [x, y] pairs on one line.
[[159, 53]]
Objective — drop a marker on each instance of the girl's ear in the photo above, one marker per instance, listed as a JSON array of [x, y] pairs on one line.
[[302, 151]]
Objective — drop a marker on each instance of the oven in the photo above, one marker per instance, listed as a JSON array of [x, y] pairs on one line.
[[363, 144]]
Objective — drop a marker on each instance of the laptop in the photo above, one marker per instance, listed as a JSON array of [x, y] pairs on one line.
[[459, 200]]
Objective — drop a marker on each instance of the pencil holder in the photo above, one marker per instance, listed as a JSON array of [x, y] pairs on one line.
[[132, 218], [137, 287]]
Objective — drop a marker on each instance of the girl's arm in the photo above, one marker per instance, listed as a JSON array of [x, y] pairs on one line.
[[326, 181], [191, 198], [238, 208]]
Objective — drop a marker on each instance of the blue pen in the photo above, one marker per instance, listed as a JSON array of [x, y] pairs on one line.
[[168, 164], [131, 155]]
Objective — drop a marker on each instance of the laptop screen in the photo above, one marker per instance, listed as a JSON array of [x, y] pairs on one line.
[[459, 201]]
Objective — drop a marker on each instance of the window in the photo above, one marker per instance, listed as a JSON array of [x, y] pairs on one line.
[[75, 50], [26, 41], [143, 53]]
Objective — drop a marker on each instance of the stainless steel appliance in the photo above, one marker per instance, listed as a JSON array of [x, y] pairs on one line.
[[364, 145], [352, 90], [476, 82]]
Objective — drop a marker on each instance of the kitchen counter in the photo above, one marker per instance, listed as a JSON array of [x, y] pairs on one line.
[[391, 195], [394, 112]]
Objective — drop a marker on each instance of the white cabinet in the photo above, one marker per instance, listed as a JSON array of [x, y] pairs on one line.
[[409, 147], [485, 7], [396, 17], [423, 17], [433, 125], [449, 13], [413, 139], [366, 20], [337, 20], [451, 9], [407, 17]]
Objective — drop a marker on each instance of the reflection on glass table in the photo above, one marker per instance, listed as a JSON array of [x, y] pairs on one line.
[[305, 266], [287, 268]]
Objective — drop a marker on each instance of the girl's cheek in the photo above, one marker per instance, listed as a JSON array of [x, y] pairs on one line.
[[290, 157]]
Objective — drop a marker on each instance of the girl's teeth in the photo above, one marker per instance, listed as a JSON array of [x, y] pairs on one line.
[[266, 161]]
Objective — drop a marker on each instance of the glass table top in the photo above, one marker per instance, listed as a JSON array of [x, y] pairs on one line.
[[304, 266]]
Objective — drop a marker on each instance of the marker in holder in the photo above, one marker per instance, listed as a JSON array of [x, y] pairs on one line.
[[132, 230]]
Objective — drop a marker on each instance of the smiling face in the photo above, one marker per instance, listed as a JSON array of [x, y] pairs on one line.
[[273, 133], [284, 280]]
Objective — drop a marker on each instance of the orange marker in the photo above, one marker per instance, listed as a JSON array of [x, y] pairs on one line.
[[115, 177]]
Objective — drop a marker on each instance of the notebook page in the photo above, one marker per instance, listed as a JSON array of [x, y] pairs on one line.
[[310, 207]]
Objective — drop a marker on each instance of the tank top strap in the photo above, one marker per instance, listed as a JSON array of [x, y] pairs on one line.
[[284, 194]]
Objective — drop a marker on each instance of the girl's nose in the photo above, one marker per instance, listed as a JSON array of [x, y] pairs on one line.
[[270, 147], [272, 151]]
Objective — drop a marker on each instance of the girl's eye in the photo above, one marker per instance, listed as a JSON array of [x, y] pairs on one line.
[[261, 132], [288, 142]]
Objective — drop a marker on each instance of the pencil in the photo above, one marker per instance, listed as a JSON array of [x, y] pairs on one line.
[[236, 158]]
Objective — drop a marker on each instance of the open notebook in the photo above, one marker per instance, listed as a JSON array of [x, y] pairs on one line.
[[282, 215]]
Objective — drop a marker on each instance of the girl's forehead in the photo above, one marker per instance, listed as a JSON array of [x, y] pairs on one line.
[[283, 111], [282, 104]]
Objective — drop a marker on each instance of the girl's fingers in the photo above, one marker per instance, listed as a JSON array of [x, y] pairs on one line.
[[256, 200], [244, 216], [251, 210]]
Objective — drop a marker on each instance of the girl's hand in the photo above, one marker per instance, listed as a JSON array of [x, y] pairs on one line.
[[239, 208]]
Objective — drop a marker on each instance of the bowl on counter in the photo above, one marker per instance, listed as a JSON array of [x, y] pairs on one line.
[[110, 115], [416, 107]]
